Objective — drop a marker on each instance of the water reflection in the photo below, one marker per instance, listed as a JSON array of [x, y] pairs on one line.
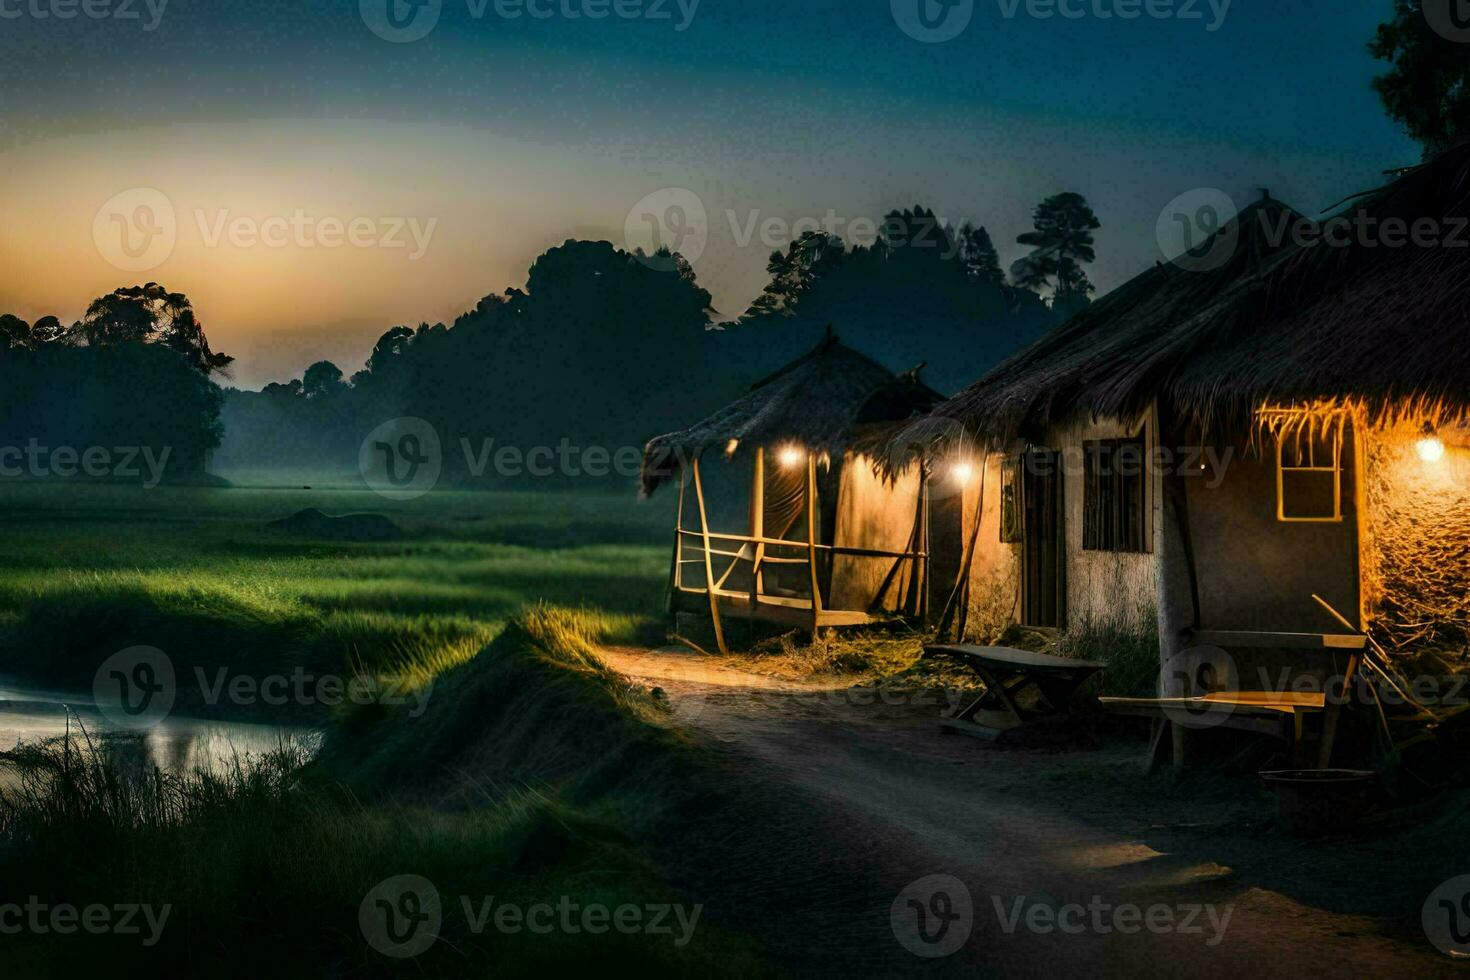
[[176, 744]]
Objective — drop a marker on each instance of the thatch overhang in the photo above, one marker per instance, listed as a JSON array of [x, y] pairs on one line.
[[1364, 319], [828, 401]]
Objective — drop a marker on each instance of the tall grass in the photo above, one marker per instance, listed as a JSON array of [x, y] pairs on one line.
[[535, 773], [1127, 641]]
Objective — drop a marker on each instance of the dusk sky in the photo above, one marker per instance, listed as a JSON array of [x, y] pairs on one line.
[[494, 138]]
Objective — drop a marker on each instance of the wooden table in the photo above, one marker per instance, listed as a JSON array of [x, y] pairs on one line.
[[1006, 674]]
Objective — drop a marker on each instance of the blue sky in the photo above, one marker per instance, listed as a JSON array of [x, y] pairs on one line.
[[517, 133]]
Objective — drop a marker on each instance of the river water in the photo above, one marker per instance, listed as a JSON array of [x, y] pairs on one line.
[[179, 744]]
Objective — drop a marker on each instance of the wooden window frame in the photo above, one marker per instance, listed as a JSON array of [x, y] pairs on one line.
[[1091, 452], [1339, 427]]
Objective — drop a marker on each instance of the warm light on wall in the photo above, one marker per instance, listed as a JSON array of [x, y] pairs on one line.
[[962, 473], [1431, 449], [790, 456]]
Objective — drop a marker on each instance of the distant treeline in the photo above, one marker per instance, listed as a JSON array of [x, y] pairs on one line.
[[123, 394], [606, 348], [600, 351]]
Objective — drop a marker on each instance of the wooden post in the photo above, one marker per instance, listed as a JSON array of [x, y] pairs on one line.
[[709, 572], [676, 573], [758, 525], [811, 538], [921, 565]]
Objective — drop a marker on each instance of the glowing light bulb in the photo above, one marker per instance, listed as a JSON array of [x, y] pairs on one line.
[[1431, 450], [790, 456], [962, 473]]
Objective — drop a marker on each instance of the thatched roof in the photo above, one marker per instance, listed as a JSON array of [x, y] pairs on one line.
[[1361, 321], [829, 400]]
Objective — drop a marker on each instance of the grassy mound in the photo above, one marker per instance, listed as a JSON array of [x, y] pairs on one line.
[[529, 778]]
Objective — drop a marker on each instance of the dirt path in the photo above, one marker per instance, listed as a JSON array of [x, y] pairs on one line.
[[852, 802]]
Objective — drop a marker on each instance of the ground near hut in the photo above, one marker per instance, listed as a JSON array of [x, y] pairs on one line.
[[849, 796]]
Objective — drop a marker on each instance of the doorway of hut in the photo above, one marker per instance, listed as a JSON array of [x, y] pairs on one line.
[[1043, 559]]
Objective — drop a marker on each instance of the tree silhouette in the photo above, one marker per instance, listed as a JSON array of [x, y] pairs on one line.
[[1060, 243], [322, 379], [978, 256], [47, 330], [1427, 89], [793, 272], [15, 333], [149, 314]]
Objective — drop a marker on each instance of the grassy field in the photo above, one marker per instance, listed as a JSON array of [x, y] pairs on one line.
[[533, 774], [88, 570]]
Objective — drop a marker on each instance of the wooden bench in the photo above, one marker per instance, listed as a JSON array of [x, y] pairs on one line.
[[1006, 674], [1280, 714]]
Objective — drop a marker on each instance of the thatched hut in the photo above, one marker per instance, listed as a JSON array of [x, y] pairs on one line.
[[1220, 447], [1050, 543], [784, 516]]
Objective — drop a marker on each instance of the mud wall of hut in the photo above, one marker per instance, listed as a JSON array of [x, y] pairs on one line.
[[1257, 573], [1102, 588], [1416, 541], [874, 515], [995, 568]]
